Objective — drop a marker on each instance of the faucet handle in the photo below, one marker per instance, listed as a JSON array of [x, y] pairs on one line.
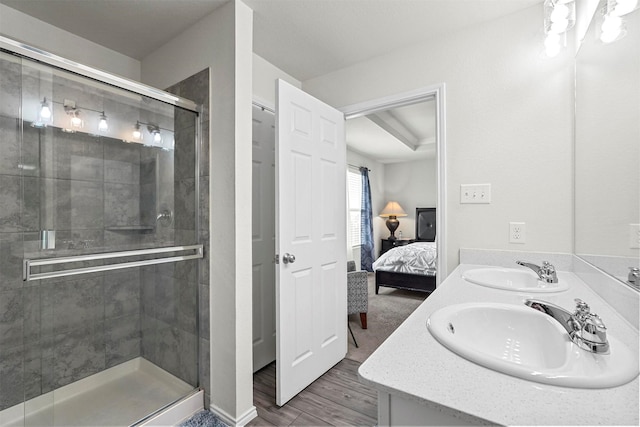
[[582, 309]]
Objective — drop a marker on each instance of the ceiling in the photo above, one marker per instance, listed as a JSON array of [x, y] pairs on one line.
[[305, 38]]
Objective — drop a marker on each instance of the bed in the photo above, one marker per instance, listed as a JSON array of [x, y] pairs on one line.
[[412, 266]]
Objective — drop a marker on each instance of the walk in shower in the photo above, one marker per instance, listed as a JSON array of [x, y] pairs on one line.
[[99, 244]]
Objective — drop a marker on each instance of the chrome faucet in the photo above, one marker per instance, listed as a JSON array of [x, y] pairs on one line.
[[585, 329], [546, 272]]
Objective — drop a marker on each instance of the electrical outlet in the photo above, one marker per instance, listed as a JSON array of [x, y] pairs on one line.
[[634, 236], [517, 232], [475, 193]]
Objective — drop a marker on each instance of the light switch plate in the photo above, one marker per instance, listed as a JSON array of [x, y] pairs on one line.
[[475, 193]]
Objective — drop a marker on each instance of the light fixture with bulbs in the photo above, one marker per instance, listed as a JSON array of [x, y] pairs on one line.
[[613, 26], [103, 126], [44, 116], [156, 133], [159, 136], [559, 17], [137, 133]]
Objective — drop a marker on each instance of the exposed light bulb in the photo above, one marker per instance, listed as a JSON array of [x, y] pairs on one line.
[[76, 121], [611, 28], [44, 115], [137, 133], [103, 126], [157, 138], [623, 7], [559, 26], [45, 111], [560, 12]]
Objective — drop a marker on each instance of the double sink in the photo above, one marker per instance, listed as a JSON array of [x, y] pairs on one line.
[[536, 340]]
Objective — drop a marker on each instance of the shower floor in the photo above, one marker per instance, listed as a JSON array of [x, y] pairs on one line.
[[118, 396]]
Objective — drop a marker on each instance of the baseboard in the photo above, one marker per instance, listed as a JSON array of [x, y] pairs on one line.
[[242, 420]]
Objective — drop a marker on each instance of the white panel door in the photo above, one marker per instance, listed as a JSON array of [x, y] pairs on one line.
[[263, 233], [311, 291]]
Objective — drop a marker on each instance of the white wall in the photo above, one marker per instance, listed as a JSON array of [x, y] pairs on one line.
[[223, 42], [509, 123], [265, 75], [413, 185], [34, 32]]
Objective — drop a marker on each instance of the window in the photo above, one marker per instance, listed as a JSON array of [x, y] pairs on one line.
[[354, 180]]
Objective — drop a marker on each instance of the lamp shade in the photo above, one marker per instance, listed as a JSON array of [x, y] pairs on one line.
[[393, 209]]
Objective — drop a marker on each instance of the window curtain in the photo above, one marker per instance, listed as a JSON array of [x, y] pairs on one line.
[[366, 224]]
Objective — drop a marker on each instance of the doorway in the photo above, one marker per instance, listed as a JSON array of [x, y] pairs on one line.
[[433, 94]]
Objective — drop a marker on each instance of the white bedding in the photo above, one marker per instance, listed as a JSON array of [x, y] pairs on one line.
[[414, 258]]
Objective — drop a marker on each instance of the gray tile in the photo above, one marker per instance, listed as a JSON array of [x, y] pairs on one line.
[[33, 369], [11, 318], [76, 156], [31, 204], [168, 348], [121, 204], [121, 172], [148, 167], [149, 332], [122, 293], [148, 211], [32, 313], [188, 357], [121, 151], [203, 302], [10, 203], [185, 154], [122, 339], [10, 85], [11, 376], [204, 365], [166, 299], [72, 204], [204, 149], [74, 303], [185, 204], [11, 153], [11, 256], [77, 354], [204, 203]]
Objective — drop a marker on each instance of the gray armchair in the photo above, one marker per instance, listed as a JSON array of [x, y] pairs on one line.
[[357, 292]]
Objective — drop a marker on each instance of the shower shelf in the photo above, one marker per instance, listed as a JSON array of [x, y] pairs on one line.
[[140, 228], [195, 252]]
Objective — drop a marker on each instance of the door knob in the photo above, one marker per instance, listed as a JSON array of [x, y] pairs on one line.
[[288, 258]]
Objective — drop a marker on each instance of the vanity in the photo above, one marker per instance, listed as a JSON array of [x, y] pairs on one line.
[[454, 360], [429, 384]]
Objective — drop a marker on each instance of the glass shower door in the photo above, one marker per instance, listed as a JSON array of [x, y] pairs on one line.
[[82, 196]]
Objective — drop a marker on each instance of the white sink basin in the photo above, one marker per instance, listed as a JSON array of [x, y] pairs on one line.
[[512, 279], [528, 344]]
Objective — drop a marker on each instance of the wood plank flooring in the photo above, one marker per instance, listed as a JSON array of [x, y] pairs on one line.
[[335, 399]]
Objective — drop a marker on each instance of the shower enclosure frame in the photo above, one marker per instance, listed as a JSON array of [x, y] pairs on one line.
[[35, 54]]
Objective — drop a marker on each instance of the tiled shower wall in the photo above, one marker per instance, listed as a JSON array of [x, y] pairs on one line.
[[95, 192], [196, 88]]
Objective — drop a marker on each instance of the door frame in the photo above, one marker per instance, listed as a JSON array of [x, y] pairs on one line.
[[437, 93]]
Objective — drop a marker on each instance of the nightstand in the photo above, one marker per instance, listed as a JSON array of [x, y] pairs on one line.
[[390, 244]]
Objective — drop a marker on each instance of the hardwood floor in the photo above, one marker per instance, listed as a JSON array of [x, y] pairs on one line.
[[335, 399]]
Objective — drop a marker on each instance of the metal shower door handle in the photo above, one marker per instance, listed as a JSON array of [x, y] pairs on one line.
[[288, 258]]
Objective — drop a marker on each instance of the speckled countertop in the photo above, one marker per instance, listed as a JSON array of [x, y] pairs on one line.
[[411, 364]]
